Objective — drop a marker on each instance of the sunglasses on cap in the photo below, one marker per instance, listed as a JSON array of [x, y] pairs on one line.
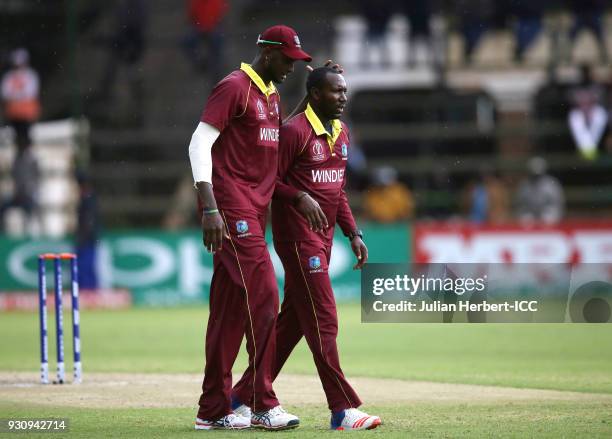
[[260, 41]]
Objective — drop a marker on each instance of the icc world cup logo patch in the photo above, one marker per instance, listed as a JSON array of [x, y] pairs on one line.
[[242, 226], [261, 111], [314, 262], [318, 152], [344, 150]]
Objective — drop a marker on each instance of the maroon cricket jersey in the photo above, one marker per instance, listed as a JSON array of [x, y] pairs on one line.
[[314, 161], [244, 157]]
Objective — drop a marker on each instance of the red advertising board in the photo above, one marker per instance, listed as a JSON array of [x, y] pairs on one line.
[[88, 299], [570, 242]]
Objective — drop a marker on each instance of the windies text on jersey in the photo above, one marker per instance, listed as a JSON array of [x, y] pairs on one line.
[[327, 175]]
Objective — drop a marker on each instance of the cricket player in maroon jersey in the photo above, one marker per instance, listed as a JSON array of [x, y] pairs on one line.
[[233, 154], [309, 200]]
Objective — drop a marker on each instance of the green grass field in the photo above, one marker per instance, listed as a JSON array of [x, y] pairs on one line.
[[564, 357]]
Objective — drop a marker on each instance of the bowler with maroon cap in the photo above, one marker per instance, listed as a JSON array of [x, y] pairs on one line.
[[233, 154]]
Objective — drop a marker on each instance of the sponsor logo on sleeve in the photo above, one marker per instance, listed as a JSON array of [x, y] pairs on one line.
[[344, 150]]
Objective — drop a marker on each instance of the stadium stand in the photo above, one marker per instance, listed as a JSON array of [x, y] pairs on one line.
[[440, 116]]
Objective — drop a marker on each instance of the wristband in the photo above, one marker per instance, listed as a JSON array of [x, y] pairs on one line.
[[355, 233], [210, 211]]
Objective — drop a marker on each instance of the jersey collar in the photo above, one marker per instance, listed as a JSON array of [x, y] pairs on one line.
[[265, 89], [319, 129]]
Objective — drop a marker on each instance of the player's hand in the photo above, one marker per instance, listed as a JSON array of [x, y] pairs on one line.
[[329, 63], [361, 251], [311, 210], [213, 232]]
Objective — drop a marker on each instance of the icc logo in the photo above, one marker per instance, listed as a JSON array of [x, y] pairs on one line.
[[344, 150], [314, 262], [261, 110], [242, 226], [317, 151]]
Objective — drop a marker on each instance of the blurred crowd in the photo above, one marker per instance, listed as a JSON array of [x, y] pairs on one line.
[[202, 42], [537, 199], [473, 19], [487, 198], [589, 117], [21, 108], [386, 195]]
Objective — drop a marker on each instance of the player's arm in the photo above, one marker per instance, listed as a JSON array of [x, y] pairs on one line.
[[226, 102], [346, 221], [289, 148], [301, 106], [311, 210], [200, 156]]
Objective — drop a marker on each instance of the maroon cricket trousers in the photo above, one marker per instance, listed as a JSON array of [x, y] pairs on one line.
[[243, 302], [309, 310]]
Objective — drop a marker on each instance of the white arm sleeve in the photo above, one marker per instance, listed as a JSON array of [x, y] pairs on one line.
[[200, 152]]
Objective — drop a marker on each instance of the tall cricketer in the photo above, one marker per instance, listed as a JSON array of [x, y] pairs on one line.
[[233, 154]]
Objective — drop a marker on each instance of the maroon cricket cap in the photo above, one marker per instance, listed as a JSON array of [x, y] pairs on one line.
[[286, 39]]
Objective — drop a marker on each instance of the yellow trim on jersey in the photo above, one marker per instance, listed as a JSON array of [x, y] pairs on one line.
[[319, 129], [267, 90]]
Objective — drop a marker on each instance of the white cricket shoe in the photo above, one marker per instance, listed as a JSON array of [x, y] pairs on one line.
[[275, 419], [353, 419], [227, 422], [244, 411], [241, 409]]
